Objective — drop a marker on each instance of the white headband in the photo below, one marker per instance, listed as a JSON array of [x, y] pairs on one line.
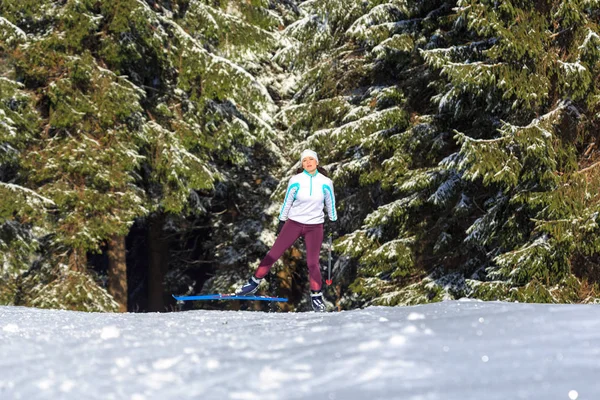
[[308, 153]]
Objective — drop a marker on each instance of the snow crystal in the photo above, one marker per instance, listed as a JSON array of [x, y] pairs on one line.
[[318, 329], [413, 316], [11, 328], [271, 378], [213, 364], [160, 379], [410, 329], [370, 345], [165, 363], [397, 341], [67, 386], [110, 332], [45, 384], [370, 374], [123, 362]]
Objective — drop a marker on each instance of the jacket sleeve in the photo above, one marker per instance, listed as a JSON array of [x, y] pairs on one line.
[[330, 200], [290, 196]]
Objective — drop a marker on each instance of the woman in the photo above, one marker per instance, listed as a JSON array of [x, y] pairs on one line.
[[301, 215]]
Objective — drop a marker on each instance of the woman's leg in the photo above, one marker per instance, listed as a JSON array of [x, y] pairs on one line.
[[288, 235], [314, 239]]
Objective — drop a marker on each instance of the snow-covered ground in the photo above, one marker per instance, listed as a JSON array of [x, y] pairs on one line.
[[450, 350]]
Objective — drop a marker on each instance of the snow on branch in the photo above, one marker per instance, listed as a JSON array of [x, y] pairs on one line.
[[439, 57], [27, 192], [549, 117], [591, 36], [572, 68], [10, 33], [532, 256], [351, 132], [379, 14], [215, 62]]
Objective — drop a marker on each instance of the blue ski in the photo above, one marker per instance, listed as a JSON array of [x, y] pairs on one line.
[[217, 296]]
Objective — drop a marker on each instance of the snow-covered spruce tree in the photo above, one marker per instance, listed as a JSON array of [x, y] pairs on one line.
[[18, 124], [383, 109], [81, 158], [236, 95], [363, 104], [187, 115], [523, 98], [241, 231]]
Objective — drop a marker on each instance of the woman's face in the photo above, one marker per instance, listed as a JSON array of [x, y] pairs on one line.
[[309, 164]]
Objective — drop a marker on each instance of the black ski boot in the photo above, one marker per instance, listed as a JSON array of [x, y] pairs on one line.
[[316, 298], [249, 287]]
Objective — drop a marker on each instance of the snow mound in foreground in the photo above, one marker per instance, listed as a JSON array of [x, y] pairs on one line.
[[450, 350]]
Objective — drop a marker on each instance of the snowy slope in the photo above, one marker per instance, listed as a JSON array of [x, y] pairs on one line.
[[451, 350]]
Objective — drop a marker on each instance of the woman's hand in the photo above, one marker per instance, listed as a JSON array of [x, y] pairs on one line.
[[332, 228], [280, 226]]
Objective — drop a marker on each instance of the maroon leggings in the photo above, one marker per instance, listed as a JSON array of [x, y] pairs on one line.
[[292, 230]]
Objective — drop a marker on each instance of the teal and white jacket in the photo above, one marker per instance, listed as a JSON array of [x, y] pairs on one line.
[[305, 197]]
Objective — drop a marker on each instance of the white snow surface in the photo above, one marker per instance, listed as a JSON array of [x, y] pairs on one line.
[[450, 350]]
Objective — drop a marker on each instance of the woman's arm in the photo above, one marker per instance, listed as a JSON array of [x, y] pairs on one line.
[[330, 200], [290, 196]]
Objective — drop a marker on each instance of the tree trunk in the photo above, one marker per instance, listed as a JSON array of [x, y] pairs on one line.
[[117, 271], [285, 289], [157, 263], [78, 260]]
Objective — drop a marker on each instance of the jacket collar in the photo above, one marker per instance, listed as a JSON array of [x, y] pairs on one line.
[[313, 175]]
